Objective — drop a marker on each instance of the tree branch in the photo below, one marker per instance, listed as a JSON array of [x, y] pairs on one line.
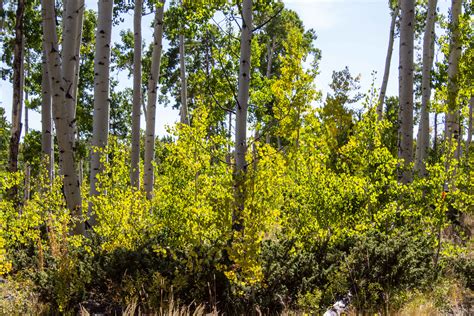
[[268, 21]]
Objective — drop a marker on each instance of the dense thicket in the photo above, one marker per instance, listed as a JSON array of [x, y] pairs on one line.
[[265, 197]]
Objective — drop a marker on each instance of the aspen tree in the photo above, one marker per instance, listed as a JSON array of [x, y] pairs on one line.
[[406, 68], [64, 130], [101, 93], [388, 61], [46, 126], [469, 126], [73, 15], [17, 104], [241, 115], [26, 189], [137, 94], [423, 139], [18, 75], [184, 87], [452, 129], [148, 180]]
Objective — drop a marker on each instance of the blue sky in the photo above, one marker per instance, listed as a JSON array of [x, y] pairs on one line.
[[351, 33]]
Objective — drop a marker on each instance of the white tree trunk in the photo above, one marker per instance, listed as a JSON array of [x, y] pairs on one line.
[[469, 126], [26, 195], [137, 94], [455, 48], [64, 131], [405, 148], [77, 59], [100, 123], [228, 157], [423, 139], [148, 180], [18, 77], [27, 164], [73, 15], [184, 93], [46, 126], [388, 61], [241, 115]]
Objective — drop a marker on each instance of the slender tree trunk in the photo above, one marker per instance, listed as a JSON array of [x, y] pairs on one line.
[[77, 59], [405, 148], [184, 86], [388, 61], [137, 94], [241, 116], [74, 11], [144, 104], [46, 126], [27, 164], [18, 75], [228, 157], [423, 139], [26, 193], [435, 132], [270, 48], [469, 127], [81, 171], [455, 47], [148, 180], [184, 118], [101, 95], [64, 131], [208, 55], [18, 60]]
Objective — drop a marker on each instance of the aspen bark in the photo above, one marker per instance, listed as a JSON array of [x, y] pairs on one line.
[[17, 104], [26, 191], [241, 116], [228, 157], [423, 139], [455, 48], [406, 68], [469, 126], [388, 61], [77, 59], [27, 164], [63, 129], [184, 87], [137, 94], [46, 126], [100, 123], [73, 15], [148, 180]]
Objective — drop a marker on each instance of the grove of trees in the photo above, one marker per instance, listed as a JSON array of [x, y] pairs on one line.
[[267, 197]]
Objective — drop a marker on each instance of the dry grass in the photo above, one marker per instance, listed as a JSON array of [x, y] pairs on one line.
[[18, 298], [133, 309]]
